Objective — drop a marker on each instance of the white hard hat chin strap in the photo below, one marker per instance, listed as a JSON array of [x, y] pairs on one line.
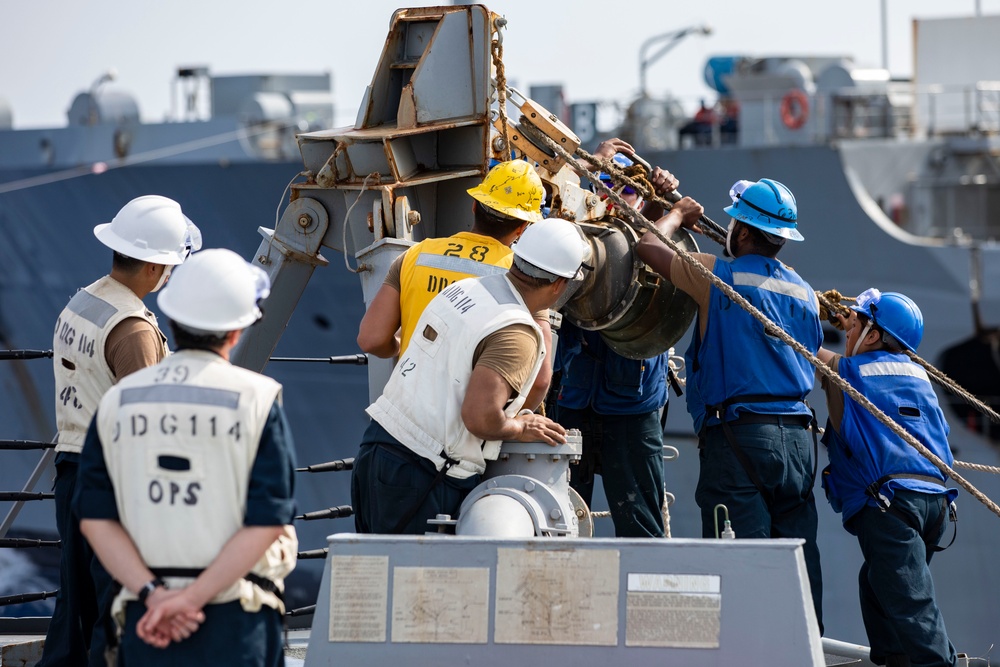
[[167, 268], [864, 332], [729, 238]]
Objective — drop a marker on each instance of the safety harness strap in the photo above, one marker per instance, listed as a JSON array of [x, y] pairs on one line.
[[415, 507], [873, 490]]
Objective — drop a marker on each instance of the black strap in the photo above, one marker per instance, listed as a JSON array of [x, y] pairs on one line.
[[873, 490], [192, 573], [674, 382], [757, 398], [412, 512], [877, 485], [111, 637]]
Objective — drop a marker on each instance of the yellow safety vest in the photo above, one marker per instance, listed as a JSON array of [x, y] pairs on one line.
[[433, 264]]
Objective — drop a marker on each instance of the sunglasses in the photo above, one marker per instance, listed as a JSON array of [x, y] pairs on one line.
[[626, 190]]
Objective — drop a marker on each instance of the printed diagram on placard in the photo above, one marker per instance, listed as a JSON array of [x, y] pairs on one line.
[[541, 597], [440, 605]]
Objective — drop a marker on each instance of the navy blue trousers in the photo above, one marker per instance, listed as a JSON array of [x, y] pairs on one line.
[[76, 634], [389, 479], [897, 592], [627, 451], [229, 636], [782, 455]]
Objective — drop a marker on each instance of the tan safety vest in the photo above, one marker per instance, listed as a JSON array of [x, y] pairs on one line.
[[421, 405], [180, 439], [433, 264], [81, 370]]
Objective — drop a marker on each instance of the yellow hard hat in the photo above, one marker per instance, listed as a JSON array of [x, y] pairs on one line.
[[513, 189]]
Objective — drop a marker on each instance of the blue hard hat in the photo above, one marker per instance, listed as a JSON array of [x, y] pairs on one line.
[[767, 205], [893, 313]]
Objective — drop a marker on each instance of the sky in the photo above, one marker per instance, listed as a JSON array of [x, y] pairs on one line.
[[52, 49]]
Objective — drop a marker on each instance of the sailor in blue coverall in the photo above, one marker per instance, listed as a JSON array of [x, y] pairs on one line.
[[747, 389], [892, 498], [616, 403]]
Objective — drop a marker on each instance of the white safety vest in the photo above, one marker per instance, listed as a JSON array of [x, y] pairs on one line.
[[82, 373], [180, 439], [421, 405]]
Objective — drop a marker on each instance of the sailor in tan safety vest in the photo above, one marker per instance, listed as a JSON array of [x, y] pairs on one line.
[[458, 389], [104, 333], [506, 202], [186, 484]]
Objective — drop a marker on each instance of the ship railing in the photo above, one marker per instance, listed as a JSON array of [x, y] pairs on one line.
[[27, 493], [886, 110], [953, 109]]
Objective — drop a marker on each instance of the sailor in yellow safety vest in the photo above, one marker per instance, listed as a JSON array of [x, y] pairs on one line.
[[507, 201]]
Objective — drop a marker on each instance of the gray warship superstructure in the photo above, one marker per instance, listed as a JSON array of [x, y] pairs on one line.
[[426, 145]]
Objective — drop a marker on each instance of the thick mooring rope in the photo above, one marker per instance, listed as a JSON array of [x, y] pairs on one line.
[[770, 327]]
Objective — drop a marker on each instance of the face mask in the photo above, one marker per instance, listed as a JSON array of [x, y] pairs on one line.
[[163, 277]]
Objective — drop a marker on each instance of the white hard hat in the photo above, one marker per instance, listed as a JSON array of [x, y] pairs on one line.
[[554, 245], [215, 291], [151, 228]]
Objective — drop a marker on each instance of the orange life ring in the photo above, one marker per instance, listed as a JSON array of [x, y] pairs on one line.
[[794, 109]]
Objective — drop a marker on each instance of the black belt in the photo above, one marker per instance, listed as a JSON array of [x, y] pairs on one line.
[[719, 411], [191, 572], [755, 418]]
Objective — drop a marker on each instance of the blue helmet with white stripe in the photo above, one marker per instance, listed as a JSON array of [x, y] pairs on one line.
[[767, 205]]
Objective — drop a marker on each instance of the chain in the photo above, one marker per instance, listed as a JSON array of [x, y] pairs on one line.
[[496, 49], [773, 329]]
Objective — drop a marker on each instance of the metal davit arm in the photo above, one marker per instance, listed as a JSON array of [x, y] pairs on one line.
[[289, 254], [420, 141]]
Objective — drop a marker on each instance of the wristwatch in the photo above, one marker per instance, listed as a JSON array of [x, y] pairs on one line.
[[149, 588]]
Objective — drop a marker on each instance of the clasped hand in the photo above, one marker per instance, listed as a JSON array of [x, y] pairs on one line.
[[171, 616]]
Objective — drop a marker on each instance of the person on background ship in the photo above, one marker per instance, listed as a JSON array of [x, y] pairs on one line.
[[507, 201], [747, 389], [186, 484], [892, 498], [102, 335], [458, 389], [701, 126], [616, 402]]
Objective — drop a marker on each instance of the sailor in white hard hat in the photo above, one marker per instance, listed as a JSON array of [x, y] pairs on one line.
[[103, 334], [186, 483], [458, 389]]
